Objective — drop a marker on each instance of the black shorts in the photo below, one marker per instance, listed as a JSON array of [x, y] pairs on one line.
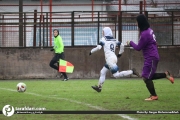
[[58, 56]]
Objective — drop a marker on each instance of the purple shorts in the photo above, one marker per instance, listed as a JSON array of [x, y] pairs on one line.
[[150, 66]]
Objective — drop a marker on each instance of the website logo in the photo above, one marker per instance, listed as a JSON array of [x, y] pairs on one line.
[[8, 110]]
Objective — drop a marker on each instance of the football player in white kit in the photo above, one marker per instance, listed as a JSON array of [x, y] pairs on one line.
[[109, 44]]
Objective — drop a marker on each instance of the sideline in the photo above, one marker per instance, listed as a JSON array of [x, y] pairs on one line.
[[72, 101]]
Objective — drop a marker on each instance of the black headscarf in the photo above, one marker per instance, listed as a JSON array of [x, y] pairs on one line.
[[57, 31], [142, 21]]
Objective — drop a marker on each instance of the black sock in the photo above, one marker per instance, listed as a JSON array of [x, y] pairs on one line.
[[65, 75], [150, 87], [158, 76]]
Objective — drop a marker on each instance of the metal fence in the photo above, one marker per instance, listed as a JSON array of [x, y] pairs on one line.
[[77, 28]]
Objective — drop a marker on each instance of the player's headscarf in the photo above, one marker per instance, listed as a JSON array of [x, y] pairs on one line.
[[57, 31], [107, 31], [142, 21]]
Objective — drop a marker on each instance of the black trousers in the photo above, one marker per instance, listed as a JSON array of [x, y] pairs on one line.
[[55, 60]]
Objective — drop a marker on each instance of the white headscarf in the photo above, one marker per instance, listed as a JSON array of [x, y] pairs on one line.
[[107, 31]]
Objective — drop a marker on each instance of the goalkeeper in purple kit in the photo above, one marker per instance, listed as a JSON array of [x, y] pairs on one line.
[[147, 43]]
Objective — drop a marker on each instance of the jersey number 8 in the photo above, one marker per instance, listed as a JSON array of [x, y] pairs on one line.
[[112, 47]]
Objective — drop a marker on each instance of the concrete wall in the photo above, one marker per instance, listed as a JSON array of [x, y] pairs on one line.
[[25, 63]]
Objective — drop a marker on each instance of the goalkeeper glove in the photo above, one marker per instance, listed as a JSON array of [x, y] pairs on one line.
[[52, 49], [90, 53]]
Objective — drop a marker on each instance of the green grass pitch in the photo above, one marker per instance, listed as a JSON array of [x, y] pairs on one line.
[[120, 95]]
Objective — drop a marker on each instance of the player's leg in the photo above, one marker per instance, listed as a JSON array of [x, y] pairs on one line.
[[169, 77], [112, 63], [149, 70], [59, 74], [151, 89], [163, 75], [117, 74], [54, 61], [62, 56], [156, 76], [103, 73], [102, 78]]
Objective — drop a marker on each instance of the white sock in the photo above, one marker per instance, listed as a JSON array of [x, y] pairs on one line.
[[102, 76], [122, 73]]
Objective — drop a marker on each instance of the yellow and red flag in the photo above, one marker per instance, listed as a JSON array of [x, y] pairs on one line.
[[65, 66]]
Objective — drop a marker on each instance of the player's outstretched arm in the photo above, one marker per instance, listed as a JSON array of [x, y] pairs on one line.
[[141, 44], [95, 49], [121, 50]]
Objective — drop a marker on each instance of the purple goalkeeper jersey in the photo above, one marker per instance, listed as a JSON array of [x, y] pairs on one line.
[[147, 43]]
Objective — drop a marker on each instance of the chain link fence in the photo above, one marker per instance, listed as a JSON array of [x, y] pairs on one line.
[[79, 28]]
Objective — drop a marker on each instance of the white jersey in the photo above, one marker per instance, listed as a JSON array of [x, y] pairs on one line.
[[109, 44]]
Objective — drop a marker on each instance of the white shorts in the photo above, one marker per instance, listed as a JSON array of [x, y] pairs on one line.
[[111, 61]]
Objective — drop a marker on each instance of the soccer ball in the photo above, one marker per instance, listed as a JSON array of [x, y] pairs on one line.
[[21, 87]]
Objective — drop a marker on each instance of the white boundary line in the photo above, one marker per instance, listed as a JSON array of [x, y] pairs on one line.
[[72, 101]]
